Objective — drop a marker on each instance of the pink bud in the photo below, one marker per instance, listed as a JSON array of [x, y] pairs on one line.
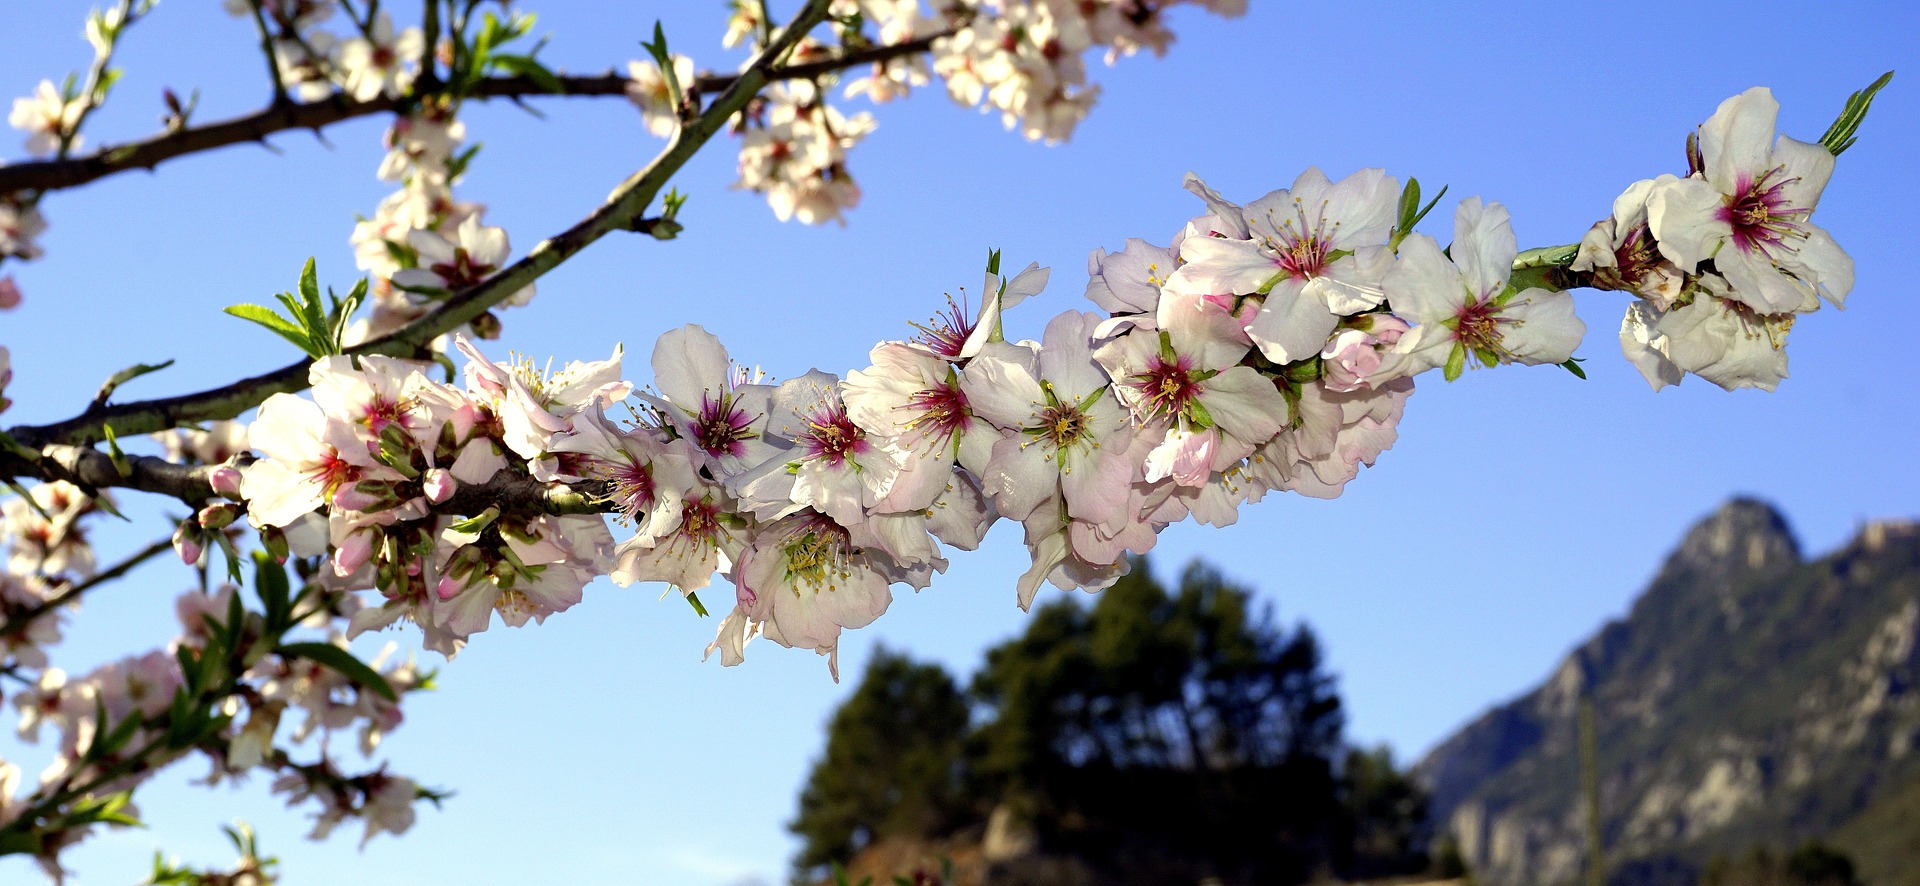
[[449, 587], [225, 481], [352, 554], [187, 544], [350, 498], [9, 294], [439, 485]]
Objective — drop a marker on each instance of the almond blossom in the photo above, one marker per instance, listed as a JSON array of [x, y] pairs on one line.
[[48, 118], [647, 88], [1315, 251], [377, 63], [1749, 211], [1464, 307]]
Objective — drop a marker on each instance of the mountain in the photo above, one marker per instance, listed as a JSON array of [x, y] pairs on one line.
[[1750, 697]]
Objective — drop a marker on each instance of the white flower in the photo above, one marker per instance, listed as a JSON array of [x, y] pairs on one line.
[[1064, 434], [376, 64], [1717, 338], [47, 116], [1316, 251], [1749, 213], [1465, 308], [647, 88]]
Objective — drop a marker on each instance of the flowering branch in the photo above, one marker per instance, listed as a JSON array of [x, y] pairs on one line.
[[51, 175], [622, 211]]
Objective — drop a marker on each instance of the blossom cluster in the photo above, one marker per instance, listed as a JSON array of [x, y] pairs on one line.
[[116, 726], [1725, 259], [1022, 59], [1268, 347], [313, 60], [1256, 353]]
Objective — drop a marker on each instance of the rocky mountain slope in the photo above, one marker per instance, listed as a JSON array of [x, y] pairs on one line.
[[1750, 696]]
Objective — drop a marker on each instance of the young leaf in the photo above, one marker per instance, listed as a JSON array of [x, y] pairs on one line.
[[270, 582], [1840, 136], [266, 317], [344, 662], [528, 67]]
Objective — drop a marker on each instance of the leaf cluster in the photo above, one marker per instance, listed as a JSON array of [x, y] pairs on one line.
[[316, 329]]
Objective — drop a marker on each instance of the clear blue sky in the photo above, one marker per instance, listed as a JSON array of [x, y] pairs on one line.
[[1520, 509]]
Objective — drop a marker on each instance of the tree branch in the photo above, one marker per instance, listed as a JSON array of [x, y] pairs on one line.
[[52, 175]]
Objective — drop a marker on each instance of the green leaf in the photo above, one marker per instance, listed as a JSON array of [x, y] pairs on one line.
[[528, 67], [266, 317], [119, 459], [342, 314], [128, 374], [276, 596], [309, 306], [1573, 365], [1840, 136], [694, 599], [344, 662]]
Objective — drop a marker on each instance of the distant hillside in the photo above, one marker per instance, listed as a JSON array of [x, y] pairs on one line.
[[1749, 697]]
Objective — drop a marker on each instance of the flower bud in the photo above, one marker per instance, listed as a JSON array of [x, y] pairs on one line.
[[218, 516], [353, 553], [353, 498], [486, 326], [225, 480], [449, 587], [439, 485], [186, 543], [9, 294], [275, 541]]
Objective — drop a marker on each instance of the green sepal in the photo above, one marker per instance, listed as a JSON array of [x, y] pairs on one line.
[[694, 600], [1572, 365], [1456, 362]]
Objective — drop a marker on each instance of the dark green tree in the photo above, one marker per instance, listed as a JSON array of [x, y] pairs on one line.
[[1154, 735], [1165, 735], [1383, 819], [893, 764], [1813, 864]]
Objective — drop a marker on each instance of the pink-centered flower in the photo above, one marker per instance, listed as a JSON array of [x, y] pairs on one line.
[[1315, 251], [1749, 211]]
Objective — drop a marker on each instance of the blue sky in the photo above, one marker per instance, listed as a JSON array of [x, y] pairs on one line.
[[1520, 509]]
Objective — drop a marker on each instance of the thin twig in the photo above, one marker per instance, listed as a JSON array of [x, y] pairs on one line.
[[73, 592]]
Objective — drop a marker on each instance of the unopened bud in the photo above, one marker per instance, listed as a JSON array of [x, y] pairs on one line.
[[275, 541], [353, 498], [439, 485], [186, 543], [225, 481], [449, 587], [9, 294], [486, 326], [218, 516], [353, 553]]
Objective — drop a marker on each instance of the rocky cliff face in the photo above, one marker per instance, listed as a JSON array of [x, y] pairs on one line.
[[1749, 696]]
